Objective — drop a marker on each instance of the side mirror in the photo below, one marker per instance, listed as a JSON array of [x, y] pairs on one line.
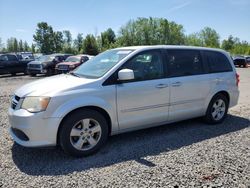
[[126, 74]]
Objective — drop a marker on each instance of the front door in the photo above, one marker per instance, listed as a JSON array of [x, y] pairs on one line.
[[144, 101]]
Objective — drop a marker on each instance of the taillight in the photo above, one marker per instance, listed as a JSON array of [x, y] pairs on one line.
[[237, 79]]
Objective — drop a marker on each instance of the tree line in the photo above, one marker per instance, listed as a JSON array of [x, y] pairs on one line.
[[141, 31]]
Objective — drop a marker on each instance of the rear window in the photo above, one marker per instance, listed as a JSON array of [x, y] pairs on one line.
[[217, 62], [184, 62]]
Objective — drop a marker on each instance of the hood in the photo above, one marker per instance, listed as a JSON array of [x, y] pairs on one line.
[[35, 62], [39, 62], [51, 85], [68, 63]]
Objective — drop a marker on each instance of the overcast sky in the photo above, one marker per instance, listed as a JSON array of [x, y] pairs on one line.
[[18, 18]]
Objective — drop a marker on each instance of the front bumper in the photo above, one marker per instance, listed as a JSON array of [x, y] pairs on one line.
[[61, 71], [36, 71], [41, 132]]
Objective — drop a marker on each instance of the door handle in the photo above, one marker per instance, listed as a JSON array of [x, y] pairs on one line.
[[176, 84], [160, 86]]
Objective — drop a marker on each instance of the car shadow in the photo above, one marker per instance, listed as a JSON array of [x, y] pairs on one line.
[[129, 146]]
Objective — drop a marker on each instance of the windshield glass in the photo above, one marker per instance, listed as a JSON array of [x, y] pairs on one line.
[[101, 64], [45, 58], [73, 59]]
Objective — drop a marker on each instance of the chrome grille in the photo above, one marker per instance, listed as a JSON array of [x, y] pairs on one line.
[[63, 67], [35, 66]]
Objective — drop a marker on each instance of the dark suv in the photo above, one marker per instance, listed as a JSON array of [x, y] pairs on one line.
[[45, 64], [12, 64], [240, 61]]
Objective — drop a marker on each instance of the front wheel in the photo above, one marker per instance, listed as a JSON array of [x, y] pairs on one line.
[[83, 133], [217, 109], [49, 72]]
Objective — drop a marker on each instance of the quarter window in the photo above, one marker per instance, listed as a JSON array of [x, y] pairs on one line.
[[146, 66], [217, 62], [184, 62]]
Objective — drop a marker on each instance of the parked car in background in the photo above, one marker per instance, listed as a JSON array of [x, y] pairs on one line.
[[37, 55], [71, 63], [45, 64], [67, 55], [26, 55], [248, 60], [12, 64], [122, 90], [240, 61]]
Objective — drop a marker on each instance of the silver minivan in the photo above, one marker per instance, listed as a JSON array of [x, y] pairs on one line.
[[122, 90]]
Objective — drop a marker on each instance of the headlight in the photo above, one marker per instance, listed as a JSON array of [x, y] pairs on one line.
[[35, 104], [72, 66]]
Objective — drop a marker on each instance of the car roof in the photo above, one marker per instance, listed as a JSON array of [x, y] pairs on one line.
[[169, 47], [239, 57], [56, 55], [76, 56]]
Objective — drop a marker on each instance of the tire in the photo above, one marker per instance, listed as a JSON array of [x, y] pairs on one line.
[[25, 72], [245, 66], [211, 117], [49, 72], [33, 75], [13, 74], [75, 136]]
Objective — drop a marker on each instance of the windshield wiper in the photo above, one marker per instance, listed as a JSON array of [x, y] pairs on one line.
[[74, 74]]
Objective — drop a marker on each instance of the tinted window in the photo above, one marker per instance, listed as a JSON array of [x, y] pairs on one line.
[[84, 59], [217, 62], [146, 66], [12, 58], [184, 62], [3, 58], [240, 60]]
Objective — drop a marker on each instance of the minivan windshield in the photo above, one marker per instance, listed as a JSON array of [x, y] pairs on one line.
[[73, 59], [101, 64], [45, 58]]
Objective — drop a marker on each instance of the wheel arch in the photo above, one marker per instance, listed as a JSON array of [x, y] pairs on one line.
[[95, 108], [223, 92]]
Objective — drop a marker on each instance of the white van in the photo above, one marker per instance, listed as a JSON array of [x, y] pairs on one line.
[[122, 90]]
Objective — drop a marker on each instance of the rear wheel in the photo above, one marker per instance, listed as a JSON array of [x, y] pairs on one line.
[[83, 133], [217, 109]]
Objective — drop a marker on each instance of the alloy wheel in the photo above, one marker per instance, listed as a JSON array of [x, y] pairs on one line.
[[218, 109], [85, 134]]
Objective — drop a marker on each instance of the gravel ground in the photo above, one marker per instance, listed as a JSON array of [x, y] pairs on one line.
[[185, 154]]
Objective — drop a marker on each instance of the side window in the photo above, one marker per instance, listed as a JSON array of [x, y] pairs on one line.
[[61, 58], [146, 65], [3, 58], [12, 58], [84, 59], [57, 58], [217, 62], [184, 62]]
